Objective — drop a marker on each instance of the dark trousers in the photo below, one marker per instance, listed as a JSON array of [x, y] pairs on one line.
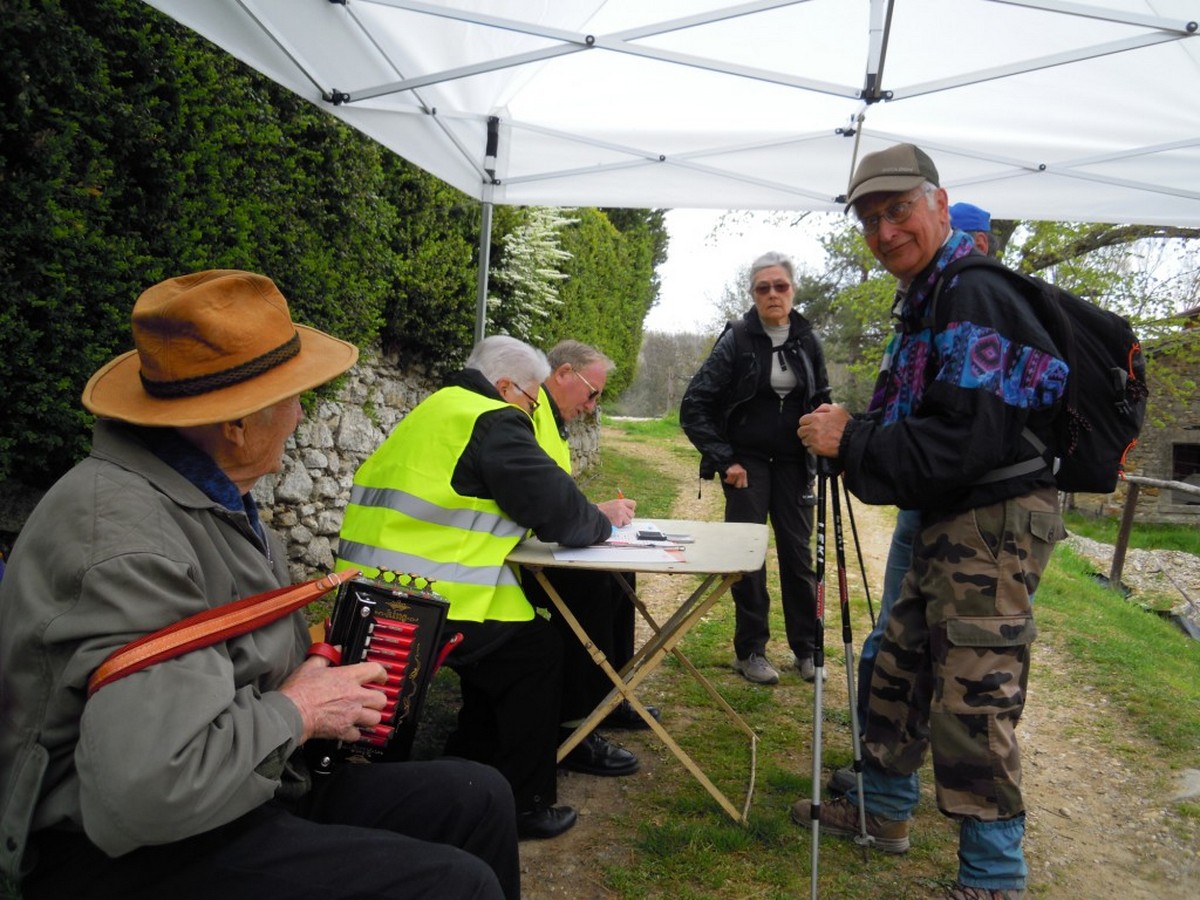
[[606, 613], [776, 490], [390, 830], [510, 675]]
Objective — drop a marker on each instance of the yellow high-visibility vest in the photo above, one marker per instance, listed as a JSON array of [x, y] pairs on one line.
[[405, 516], [546, 431]]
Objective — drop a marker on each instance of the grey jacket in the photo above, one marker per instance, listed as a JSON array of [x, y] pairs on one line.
[[121, 546]]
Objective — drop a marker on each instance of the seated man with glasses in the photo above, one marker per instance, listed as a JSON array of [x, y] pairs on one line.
[[459, 482], [578, 373]]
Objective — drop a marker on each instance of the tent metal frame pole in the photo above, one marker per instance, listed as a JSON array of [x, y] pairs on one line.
[[485, 255], [491, 151]]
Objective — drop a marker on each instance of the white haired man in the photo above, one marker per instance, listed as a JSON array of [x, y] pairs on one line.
[[187, 779], [455, 487]]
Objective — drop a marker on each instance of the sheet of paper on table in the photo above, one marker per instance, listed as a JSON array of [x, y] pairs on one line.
[[625, 546]]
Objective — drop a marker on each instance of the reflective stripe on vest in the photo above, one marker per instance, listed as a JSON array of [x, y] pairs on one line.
[[405, 516]]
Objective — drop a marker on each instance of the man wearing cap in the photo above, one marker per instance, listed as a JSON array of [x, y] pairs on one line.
[[943, 435], [185, 779], [976, 222]]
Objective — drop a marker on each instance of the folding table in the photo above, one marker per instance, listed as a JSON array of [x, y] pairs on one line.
[[719, 552]]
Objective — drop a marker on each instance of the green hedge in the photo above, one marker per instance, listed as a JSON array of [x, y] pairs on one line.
[[132, 150]]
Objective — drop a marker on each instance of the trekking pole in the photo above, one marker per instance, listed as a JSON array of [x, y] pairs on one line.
[[819, 664], [862, 568], [839, 544]]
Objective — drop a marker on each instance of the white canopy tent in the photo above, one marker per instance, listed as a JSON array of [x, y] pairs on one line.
[[1042, 109]]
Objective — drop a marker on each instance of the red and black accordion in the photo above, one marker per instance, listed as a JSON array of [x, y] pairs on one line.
[[397, 621]]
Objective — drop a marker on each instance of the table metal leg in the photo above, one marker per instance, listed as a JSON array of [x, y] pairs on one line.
[[645, 661]]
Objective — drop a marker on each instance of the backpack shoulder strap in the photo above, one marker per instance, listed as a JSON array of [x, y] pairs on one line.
[[1029, 289], [740, 337]]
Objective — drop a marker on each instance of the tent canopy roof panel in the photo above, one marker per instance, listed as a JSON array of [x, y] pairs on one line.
[[1043, 109]]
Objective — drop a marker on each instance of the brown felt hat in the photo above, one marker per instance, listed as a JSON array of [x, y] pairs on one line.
[[895, 170], [212, 347]]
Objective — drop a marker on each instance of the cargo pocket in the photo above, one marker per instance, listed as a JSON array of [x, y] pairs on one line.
[[1047, 526], [991, 631], [987, 664]]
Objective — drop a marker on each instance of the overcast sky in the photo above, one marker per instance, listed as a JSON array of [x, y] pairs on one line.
[[702, 258]]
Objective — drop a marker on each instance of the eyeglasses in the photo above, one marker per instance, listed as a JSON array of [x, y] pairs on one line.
[[897, 214], [534, 402], [593, 393], [765, 287]]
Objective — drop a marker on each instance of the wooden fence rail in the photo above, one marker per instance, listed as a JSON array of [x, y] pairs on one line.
[[1131, 497]]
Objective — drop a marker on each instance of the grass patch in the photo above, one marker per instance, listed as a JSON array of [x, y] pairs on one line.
[[1143, 663], [1143, 535], [683, 845]]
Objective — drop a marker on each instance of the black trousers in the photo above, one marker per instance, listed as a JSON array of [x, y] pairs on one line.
[[389, 830], [777, 490], [510, 675], [606, 614]]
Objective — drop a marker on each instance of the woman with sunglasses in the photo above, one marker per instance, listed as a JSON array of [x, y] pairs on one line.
[[740, 411]]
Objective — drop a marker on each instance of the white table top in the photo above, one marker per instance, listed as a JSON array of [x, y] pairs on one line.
[[719, 548]]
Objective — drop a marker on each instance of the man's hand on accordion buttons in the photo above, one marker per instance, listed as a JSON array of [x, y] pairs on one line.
[[334, 702]]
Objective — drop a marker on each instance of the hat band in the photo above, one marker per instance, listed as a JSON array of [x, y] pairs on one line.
[[203, 384]]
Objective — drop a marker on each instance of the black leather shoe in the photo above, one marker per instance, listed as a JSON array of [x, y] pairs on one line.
[[543, 822], [624, 716], [597, 756]]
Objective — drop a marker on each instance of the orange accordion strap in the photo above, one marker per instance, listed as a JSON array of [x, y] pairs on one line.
[[212, 626]]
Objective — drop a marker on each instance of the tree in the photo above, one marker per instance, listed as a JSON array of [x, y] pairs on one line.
[[665, 365], [527, 281]]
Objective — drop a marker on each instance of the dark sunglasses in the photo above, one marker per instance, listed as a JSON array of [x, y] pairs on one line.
[[765, 287]]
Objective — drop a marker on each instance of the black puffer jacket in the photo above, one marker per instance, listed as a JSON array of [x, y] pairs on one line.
[[730, 411]]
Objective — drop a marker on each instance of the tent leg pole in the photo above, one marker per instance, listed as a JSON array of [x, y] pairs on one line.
[[485, 256]]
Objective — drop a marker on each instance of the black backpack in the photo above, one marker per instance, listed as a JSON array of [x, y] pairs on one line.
[[1098, 422]]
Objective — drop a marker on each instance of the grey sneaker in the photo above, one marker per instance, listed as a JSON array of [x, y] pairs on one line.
[[959, 891], [756, 668], [808, 671], [840, 818], [842, 780]]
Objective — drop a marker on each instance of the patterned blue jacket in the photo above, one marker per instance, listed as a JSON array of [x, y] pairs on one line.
[[954, 396]]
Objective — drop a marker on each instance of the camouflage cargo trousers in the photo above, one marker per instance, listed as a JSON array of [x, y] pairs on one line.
[[954, 662]]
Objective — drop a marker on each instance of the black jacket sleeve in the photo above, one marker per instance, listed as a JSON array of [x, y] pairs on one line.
[[504, 462], [705, 405]]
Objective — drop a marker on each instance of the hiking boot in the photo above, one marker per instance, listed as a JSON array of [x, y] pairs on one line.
[[756, 668], [807, 670], [842, 780], [959, 891], [840, 818]]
